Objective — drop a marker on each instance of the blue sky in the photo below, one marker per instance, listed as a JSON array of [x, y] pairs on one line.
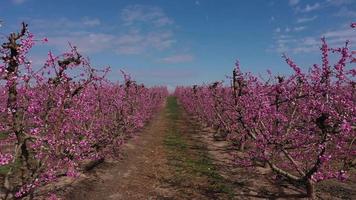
[[166, 42]]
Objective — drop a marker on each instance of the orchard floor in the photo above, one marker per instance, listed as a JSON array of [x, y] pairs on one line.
[[175, 158]]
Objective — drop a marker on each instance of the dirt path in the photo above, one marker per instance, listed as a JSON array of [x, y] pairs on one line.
[[136, 175], [163, 162], [175, 158]]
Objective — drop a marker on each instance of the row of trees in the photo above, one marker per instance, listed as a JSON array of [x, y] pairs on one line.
[[302, 126], [55, 117]]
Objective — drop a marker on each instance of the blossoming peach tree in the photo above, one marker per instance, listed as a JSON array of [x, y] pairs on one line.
[[302, 126], [55, 117]]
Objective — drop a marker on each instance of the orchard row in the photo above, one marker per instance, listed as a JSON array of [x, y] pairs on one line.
[[57, 117], [302, 126]]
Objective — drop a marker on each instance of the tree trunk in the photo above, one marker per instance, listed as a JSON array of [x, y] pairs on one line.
[[242, 145], [310, 189]]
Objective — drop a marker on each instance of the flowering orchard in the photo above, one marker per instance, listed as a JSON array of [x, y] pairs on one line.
[[302, 126], [56, 117]]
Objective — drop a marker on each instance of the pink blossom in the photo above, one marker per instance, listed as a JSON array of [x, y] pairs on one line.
[[5, 159], [45, 40]]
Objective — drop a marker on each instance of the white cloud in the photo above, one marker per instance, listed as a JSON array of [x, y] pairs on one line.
[[180, 58], [340, 33], [309, 8], [281, 44], [306, 19], [333, 38], [91, 22], [86, 43], [288, 29], [63, 24], [345, 12], [308, 44], [18, 2], [125, 44], [299, 28], [285, 36], [339, 2], [166, 73], [281, 48], [310, 41], [288, 44], [285, 41], [91, 36], [293, 2], [146, 14], [138, 43]]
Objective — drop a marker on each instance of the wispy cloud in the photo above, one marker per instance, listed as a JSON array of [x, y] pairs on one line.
[[63, 24], [309, 8], [339, 2], [282, 43], [345, 12], [124, 44], [289, 29], [308, 44], [333, 38], [181, 58], [143, 42], [348, 33], [166, 73], [86, 42], [18, 2], [290, 44], [145, 14], [91, 22], [306, 19], [299, 28], [293, 2], [272, 19], [147, 29]]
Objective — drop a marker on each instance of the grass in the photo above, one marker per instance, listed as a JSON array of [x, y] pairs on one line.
[[3, 135], [5, 169], [190, 159]]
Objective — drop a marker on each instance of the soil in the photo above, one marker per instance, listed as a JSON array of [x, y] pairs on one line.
[[175, 157]]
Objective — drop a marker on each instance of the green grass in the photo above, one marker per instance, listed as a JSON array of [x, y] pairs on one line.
[[5, 169], [3, 135], [189, 158], [173, 108]]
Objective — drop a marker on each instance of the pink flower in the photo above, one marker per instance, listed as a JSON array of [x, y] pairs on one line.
[[53, 197], [45, 40], [5, 159]]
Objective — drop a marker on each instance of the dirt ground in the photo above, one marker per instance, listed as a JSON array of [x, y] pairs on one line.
[[176, 158], [136, 175]]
